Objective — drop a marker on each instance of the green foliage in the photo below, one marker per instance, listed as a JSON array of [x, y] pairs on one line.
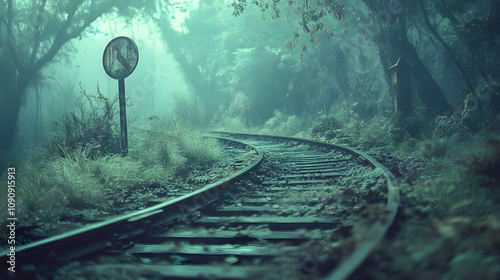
[[327, 127], [283, 124], [239, 6], [373, 132], [455, 192], [173, 145], [32, 35], [53, 186], [94, 127], [72, 178], [437, 136]]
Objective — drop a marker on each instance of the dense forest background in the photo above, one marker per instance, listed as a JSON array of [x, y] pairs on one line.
[[413, 83], [241, 64]]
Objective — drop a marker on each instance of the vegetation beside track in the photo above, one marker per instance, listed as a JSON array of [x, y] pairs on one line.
[[78, 176], [448, 225]]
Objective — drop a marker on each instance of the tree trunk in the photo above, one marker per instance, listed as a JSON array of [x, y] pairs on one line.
[[403, 89], [9, 111], [202, 87], [38, 117], [430, 92], [393, 43]]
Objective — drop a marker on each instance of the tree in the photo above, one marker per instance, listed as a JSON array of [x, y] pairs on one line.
[[222, 57], [33, 33], [390, 33]]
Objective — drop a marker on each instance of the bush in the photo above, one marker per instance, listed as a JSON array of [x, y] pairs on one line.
[[327, 127], [94, 127], [283, 124], [173, 146]]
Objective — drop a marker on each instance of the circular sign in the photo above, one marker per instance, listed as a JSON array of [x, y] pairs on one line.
[[120, 57]]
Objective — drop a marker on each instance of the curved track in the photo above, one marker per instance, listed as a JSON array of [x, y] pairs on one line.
[[310, 211]]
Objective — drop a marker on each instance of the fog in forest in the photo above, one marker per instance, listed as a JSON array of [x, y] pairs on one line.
[[239, 72], [413, 83]]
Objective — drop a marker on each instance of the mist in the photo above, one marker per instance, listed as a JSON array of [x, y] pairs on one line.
[[413, 84]]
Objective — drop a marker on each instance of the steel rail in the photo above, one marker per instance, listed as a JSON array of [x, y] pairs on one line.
[[118, 232], [379, 229], [90, 239]]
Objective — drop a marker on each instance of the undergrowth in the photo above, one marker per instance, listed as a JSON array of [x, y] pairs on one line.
[[373, 132], [79, 168], [174, 145], [93, 126], [467, 164]]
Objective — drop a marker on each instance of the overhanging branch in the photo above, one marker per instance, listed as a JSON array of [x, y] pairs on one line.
[[10, 37], [64, 36], [37, 32], [446, 47]]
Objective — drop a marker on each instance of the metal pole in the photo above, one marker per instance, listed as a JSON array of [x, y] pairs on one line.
[[123, 116], [404, 88]]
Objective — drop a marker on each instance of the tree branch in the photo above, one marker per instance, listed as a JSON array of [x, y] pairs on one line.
[[90, 19], [10, 37], [63, 36], [37, 32], [446, 47]]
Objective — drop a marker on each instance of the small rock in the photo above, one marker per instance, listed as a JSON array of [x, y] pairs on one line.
[[231, 259]]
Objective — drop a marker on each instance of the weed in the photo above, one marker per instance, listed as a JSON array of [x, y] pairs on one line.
[[176, 147], [94, 126]]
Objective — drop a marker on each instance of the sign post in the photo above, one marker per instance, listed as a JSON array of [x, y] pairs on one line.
[[402, 81], [119, 60]]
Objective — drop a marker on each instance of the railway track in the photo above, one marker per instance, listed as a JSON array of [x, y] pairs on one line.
[[298, 209]]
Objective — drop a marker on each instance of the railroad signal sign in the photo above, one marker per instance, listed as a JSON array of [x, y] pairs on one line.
[[120, 57], [119, 60]]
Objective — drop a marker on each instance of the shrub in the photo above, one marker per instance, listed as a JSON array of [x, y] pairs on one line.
[[172, 145], [283, 124], [93, 127], [327, 127]]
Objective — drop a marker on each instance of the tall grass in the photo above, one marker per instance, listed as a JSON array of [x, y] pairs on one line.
[[69, 174]]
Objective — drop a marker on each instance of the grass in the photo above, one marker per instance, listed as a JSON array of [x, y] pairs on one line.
[[449, 187], [465, 165], [51, 186], [78, 167], [373, 132], [173, 145]]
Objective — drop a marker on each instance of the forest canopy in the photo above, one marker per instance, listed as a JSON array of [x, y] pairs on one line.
[[297, 57]]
